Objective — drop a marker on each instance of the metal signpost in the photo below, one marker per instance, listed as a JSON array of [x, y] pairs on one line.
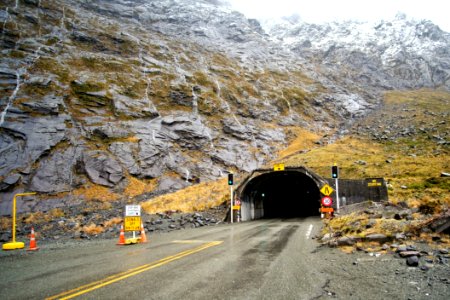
[[337, 194], [231, 193]]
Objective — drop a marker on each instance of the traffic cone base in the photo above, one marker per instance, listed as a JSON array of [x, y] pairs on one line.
[[121, 237], [33, 243], [143, 238]]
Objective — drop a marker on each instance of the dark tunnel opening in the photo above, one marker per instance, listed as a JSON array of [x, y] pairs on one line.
[[281, 194]]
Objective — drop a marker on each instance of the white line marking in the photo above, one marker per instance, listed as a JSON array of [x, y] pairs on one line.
[[308, 232]]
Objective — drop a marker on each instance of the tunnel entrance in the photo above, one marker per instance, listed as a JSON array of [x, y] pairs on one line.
[[280, 194]]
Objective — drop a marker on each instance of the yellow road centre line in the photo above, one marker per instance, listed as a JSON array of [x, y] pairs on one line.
[[132, 272], [188, 241]]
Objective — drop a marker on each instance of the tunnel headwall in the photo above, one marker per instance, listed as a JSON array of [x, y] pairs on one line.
[[291, 192], [295, 192]]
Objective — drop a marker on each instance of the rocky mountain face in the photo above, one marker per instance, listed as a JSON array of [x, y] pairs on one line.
[[99, 92], [395, 54]]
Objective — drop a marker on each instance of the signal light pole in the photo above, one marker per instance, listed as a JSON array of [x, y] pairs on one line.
[[230, 183], [335, 175]]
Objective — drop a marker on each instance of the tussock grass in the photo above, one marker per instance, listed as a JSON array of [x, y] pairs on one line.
[[194, 198], [345, 152], [95, 206], [96, 193], [5, 223], [347, 223], [138, 187], [303, 141], [424, 98], [112, 222], [43, 217], [92, 229]]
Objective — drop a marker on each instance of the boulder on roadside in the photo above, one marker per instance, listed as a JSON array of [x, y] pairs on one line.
[[409, 253], [346, 241], [412, 261], [5, 237], [377, 237]]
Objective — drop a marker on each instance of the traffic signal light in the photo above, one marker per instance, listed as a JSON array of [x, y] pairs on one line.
[[230, 179], [334, 172]]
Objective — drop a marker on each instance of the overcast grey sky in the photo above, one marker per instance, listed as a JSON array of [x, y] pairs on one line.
[[318, 11]]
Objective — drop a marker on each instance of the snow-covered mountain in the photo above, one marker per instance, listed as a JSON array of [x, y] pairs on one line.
[[399, 53]]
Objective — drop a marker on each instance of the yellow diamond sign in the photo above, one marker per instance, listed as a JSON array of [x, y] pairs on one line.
[[326, 190]]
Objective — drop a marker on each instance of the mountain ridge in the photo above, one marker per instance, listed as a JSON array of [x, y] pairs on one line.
[[408, 53]]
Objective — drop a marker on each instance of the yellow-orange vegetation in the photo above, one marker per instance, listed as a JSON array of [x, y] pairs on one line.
[[96, 193], [112, 222], [304, 140], [138, 187], [41, 217], [92, 229], [402, 170], [194, 198], [5, 223]]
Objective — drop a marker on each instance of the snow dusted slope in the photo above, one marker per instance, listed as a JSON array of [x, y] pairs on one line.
[[401, 53]]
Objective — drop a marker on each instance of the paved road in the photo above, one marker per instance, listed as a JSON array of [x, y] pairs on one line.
[[267, 259]]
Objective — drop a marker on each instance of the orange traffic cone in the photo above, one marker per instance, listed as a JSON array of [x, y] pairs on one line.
[[143, 237], [122, 236], [33, 244]]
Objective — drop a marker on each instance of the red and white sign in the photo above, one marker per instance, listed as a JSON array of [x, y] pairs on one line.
[[327, 201], [237, 202]]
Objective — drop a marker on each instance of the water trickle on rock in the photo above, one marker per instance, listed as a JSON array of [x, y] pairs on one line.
[[63, 19], [5, 22], [287, 102], [10, 99], [142, 63], [187, 174], [225, 102], [194, 102]]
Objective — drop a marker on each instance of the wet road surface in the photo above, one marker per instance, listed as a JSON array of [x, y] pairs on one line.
[[264, 259]]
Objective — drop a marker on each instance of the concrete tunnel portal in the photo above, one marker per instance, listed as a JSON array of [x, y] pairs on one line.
[[291, 193]]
